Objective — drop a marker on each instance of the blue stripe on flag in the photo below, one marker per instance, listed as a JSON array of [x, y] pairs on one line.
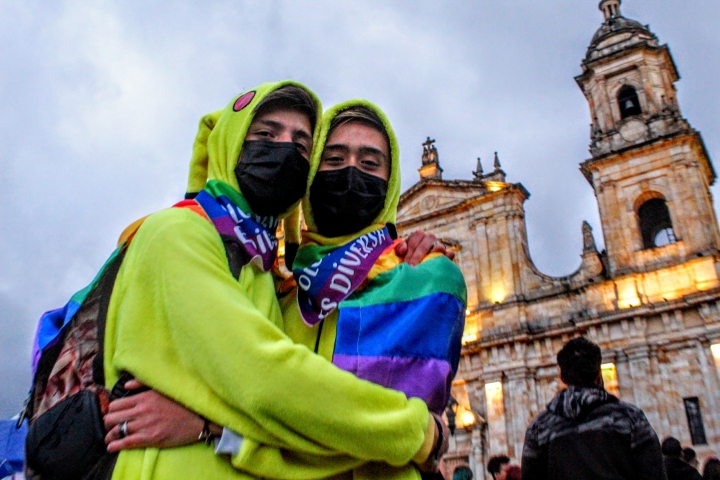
[[429, 327]]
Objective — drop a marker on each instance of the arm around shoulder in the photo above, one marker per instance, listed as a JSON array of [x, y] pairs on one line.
[[189, 330]]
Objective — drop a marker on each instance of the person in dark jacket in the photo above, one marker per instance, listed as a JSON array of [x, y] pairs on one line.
[[711, 471], [675, 467], [587, 433], [690, 456]]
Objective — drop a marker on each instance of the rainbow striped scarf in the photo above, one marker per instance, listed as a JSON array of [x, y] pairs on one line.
[[398, 326], [234, 220], [337, 274]]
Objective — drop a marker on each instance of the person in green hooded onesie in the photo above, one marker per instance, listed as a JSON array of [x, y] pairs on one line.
[[357, 303], [355, 184], [180, 322]]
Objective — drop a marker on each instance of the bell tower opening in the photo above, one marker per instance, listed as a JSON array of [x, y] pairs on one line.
[[655, 224], [610, 8], [628, 102], [649, 168]]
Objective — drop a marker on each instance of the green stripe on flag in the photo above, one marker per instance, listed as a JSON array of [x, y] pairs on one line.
[[405, 283]]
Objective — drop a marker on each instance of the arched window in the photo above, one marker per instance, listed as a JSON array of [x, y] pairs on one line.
[[628, 102], [655, 224]]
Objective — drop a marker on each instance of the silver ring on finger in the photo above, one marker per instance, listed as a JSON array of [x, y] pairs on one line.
[[123, 430]]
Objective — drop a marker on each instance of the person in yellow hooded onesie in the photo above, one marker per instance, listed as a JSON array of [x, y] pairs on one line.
[[181, 323], [357, 303], [416, 312]]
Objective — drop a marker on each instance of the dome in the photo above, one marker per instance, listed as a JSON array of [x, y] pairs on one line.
[[615, 25], [620, 26]]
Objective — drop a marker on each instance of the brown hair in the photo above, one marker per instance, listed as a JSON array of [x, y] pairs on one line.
[[293, 98], [362, 114]]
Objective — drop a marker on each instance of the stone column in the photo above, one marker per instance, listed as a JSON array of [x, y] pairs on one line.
[[483, 272], [611, 215], [505, 246], [644, 382], [495, 410], [604, 113], [712, 389], [624, 377], [520, 398], [477, 458], [518, 244]]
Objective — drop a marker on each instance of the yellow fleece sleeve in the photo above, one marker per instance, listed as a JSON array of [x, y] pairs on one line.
[[182, 324], [428, 442]]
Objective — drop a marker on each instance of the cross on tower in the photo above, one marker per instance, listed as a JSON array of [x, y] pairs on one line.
[[428, 143]]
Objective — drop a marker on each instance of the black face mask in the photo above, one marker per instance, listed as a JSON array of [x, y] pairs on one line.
[[272, 176], [346, 201]]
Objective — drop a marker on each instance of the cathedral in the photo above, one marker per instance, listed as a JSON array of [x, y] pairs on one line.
[[651, 299]]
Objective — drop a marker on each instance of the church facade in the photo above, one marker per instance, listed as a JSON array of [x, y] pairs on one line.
[[651, 299]]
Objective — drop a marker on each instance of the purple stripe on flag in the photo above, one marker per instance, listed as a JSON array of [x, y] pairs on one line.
[[425, 378]]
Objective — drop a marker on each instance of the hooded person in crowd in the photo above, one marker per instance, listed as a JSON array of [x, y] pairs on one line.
[[690, 457], [182, 324], [356, 303], [586, 432], [462, 472]]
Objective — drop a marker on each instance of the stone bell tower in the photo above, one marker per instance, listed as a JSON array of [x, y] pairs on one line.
[[649, 168], [651, 301]]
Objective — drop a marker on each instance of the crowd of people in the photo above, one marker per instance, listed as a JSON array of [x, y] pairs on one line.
[[587, 433], [683, 466]]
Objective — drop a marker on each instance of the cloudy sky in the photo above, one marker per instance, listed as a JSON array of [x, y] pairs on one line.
[[99, 103]]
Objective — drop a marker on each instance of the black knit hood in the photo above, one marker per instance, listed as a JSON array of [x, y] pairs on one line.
[[573, 402]]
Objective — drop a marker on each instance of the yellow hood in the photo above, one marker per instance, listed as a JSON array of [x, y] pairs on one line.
[[389, 211], [221, 135]]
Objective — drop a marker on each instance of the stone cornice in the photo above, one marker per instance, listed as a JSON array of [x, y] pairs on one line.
[[652, 144], [455, 184], [527, 332], [589, 66], [511, 188]]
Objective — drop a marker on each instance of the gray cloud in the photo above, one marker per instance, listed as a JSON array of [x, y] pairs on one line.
[[100, 104]]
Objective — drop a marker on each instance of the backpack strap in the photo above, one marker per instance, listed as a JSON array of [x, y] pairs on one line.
[[105, 288]]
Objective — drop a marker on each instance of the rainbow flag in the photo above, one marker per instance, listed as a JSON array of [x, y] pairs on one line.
[[53, 322], [399, 326], [404, 330]]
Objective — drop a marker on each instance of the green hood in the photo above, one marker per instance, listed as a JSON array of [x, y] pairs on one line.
[[221, 135], [389, 211]]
